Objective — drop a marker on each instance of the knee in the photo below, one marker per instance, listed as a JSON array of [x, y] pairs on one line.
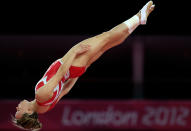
[[104, 37], [114, 36]]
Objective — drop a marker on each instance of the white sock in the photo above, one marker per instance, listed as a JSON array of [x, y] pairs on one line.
[[144, 15], [132, 23]]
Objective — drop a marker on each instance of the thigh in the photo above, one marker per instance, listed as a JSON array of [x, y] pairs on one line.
[[97, 44]]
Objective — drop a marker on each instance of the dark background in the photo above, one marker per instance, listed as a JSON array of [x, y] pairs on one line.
[[91, 17], [32, 35]]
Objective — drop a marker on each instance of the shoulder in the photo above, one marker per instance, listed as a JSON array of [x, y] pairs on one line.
[[42, 95]]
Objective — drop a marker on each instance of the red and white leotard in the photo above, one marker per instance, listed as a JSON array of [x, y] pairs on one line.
[[73, 72]]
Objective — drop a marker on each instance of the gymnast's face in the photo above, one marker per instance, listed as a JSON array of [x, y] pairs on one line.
[[22, 108]]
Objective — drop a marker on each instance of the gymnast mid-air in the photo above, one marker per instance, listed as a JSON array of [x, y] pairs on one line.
[[64, 72]]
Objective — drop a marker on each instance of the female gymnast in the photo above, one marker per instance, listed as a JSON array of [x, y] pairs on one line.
[[64, 72]]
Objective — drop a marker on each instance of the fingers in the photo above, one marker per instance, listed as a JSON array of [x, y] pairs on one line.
[[82, 48], [85, 47]]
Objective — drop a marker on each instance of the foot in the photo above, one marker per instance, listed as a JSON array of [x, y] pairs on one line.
[[145, 11]]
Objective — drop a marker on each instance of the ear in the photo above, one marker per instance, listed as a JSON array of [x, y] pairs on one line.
[[30, 111]]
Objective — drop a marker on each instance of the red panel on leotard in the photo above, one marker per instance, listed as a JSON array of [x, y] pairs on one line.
[[76, 71], [72, 73], [52, 70]]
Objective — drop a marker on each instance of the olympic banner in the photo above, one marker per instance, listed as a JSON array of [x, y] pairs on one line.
[[80, 115]]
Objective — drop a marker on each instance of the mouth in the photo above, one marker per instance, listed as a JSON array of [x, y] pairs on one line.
[[18, 109]]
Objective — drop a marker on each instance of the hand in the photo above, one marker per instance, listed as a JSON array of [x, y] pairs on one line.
[[82, 48]]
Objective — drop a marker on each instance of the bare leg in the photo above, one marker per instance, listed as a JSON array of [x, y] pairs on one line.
[[101, 43]]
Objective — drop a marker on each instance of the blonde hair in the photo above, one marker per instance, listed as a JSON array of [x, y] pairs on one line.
[[28, 122]]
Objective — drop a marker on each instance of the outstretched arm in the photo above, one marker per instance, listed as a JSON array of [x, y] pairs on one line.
[[46, 91]]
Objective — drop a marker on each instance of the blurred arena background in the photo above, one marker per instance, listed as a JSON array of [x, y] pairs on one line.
[[143, 84]]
